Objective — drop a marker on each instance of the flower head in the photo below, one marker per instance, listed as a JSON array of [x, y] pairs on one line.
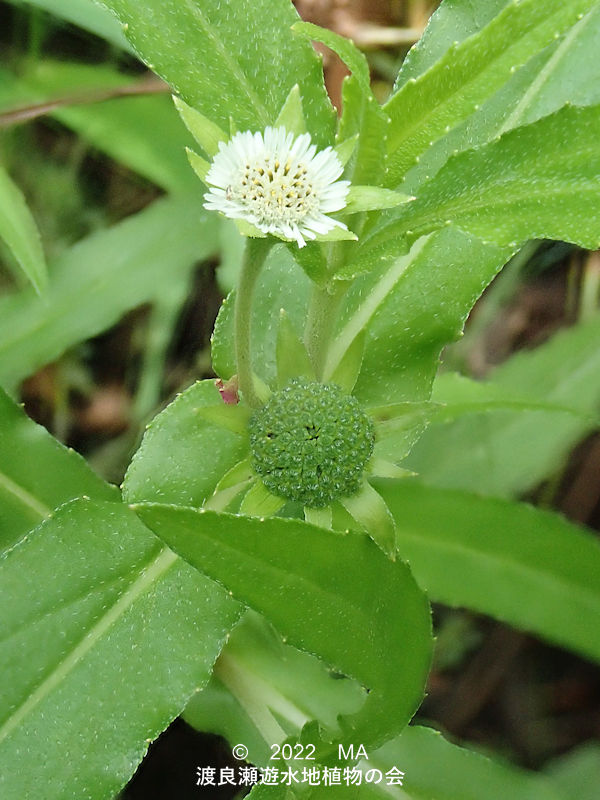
[[313, 443], [279, 184], [310, 442]]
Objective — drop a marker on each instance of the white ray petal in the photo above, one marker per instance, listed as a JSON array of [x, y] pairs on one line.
[[277, 182]]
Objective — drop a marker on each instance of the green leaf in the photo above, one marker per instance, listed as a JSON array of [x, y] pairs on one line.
[[159, 333], [37, 474], [337, 235], [219, 59], [399, 426], [322, 517], [458, 773], [457, 396], [276, 691], [94, 282], [427, 107], [448, 271], [229, 416], [247, 229], [105, 635], [529, 568], [347, 371], [311, 259], [198, 164], [346, 148], [577, 773], [281, 285], [291, 116], [20, 233], [387, 469], [368, 198], [538, 181], [314, 586], [86, 14], [564, 72], [259, 502], [183, 455], [231, 253], [141, 132], [410, 310], [292, 357], [452, 22], [234, 481], [361, 114], [343, 47], [363, 117], [508, 452], [567, 72], [369, 256], [144, 132], [372, 515], [206, 133]]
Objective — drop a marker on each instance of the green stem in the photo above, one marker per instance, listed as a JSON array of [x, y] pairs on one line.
[[317, 334], [254, 257], [321, 312], [314, 333], [257, 697]]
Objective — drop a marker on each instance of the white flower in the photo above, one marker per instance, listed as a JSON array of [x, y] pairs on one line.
[[278, 183]]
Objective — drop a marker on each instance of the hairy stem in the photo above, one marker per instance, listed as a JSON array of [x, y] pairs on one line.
[[257, 697], [254, 257], [321, 313]]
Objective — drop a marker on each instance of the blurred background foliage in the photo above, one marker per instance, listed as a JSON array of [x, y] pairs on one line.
[[92, 141]]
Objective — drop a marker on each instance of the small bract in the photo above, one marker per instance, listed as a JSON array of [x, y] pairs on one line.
[[310, 442], [278, 183]]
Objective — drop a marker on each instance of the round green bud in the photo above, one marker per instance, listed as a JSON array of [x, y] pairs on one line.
[[310, 442]]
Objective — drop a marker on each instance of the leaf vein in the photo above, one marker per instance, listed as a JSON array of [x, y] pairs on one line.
[[147, 577]]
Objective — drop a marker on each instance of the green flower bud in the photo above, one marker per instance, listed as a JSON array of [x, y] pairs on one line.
[[310, 442]]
